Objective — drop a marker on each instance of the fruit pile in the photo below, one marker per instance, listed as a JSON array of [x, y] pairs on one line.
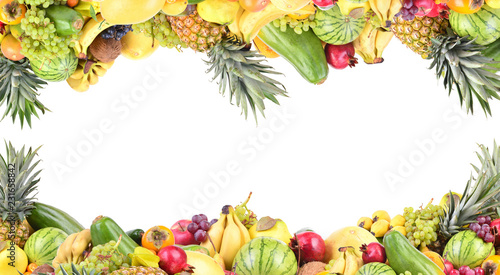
[[458, 236], [78, 41]]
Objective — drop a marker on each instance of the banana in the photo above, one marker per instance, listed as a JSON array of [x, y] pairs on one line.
[[64, 251], [385, 10], [364, 44], [215, 233], [89, 32], [381, 42], [231, 241], [234, 27], [80, 80], [250, 23], [80, 244], [245, 235], [340, 263], [353, 262]]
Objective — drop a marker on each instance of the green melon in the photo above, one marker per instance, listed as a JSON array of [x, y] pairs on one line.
[[265, 256], [375, 269], [57, 69], [484, 24], [465, 248], [335, 28], [41, 247]]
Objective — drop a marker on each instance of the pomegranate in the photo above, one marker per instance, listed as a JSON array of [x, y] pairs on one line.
[[324, 4], [424, 6], [173, 259], [340, 56], [495, 225], [373, 252], [308, 246]]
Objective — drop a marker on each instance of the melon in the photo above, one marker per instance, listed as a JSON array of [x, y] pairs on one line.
[[335, 28], [55, 70], [465, 248], [41, 247], [484, 24], [375, 269], [264, 256]]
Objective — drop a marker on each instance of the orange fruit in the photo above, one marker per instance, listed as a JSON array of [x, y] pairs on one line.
[[11, 48], [264, 49]]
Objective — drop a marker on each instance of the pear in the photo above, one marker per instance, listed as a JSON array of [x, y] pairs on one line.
[[218, 11], [268, 227]]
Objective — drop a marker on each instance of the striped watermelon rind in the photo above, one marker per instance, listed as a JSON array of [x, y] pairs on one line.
[[41, 247], [376, 269], [265, 256], [335, 28], [55, 70], [484, 24], [465, 248]]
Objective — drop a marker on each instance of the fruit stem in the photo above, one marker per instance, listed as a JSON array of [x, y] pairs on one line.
[[181, 226]]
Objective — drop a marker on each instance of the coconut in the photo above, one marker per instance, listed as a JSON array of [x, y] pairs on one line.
[[312, 268], [105, 50]]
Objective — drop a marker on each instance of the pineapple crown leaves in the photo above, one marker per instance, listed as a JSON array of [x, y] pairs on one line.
[[18, 90], [462, 65], [74, 271], [25, 181], [242, 72]]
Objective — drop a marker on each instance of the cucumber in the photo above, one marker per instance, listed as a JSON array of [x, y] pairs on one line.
[[136, 235], [66, 20], [44, 215], [105, 229], [304, 51], [404, 257]]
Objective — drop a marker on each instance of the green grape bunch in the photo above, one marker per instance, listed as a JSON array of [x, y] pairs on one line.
[[40, 40], [159, 28], [298, 25], [422, 225], [43, 3], [245, 215]]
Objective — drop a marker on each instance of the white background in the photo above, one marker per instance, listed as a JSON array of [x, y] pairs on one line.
[[323, 167]]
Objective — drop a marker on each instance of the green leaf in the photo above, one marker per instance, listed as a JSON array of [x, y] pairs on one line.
[[92, 13]]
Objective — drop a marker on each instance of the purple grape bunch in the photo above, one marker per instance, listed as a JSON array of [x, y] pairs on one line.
[[408, 10], [116, 32], [483, 229], [199, 226]]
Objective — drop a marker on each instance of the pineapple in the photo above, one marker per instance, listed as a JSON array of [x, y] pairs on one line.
[[198, 34], [139, 270], [480, 197], [16, 205], [18, 86], [417, 33], [75, 271]]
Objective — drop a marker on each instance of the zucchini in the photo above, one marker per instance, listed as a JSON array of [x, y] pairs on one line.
[[105, 229], [66, 20], [404, 257], [44, 215], [136, 235], [304, 51]]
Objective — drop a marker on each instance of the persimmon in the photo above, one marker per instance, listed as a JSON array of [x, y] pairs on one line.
[[32, 267], [157, 237], [264, 49], [72, 3], [491, 265], [465, 6], [11, 48], [11, 12]]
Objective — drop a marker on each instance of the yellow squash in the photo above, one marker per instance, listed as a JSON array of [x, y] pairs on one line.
[[130, 11]]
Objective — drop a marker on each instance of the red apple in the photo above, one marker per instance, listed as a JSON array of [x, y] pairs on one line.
[[181, 235]]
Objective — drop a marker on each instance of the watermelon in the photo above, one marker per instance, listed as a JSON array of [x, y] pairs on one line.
[[335, 28], [375, 269], [484, 24], [55, 70], [41, 247], [465, 248], [265, 256]]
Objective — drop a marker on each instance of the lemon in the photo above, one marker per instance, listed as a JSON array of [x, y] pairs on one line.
[[12, 259]]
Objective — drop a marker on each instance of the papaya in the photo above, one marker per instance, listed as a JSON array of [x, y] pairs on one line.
[[304, 51], [66, 20]]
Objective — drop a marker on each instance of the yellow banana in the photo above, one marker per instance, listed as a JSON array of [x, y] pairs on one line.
[[385, 10], [64, 250], [89, 32], [245, 236], [381, 42], [364, 44], [234, 27], [78, 73], [353, 262], [93, 78], [340, 263], [215, 232], [79, 85], [99, 70], [231, 242], [80, 244]]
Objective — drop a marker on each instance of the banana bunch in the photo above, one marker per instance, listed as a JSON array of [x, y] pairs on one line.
[[71, 250], [226, 236], [371, 42], [90, 31], [385, 10], [87, 73], [247, 24], [347, 263]]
